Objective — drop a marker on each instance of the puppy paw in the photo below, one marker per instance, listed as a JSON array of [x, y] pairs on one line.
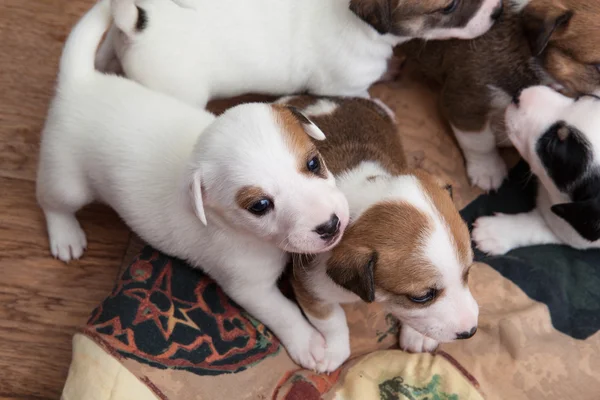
[[487, 173], [492, 235], [336, 352], [67, 239], [414, 342], [307, 350]]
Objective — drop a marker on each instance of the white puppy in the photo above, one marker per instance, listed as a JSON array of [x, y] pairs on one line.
[[406, 246], [558, 137], [198, 50], [231, 195]]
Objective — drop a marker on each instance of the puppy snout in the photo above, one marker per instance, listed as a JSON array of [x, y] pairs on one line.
[[467, 334], [329, 229], [498, 11]]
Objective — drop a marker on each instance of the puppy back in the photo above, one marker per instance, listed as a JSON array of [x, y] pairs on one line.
[[356, 130], [501, 57]]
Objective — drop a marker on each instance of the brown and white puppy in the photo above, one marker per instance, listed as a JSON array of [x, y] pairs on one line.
[[406, 245], [548, 42], [202, 50]]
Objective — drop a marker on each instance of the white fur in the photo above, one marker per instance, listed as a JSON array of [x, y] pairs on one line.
[[456, 312], [485, 167], [501, 233], [168, 169], [539, 108], [199, 50], [321, 108]]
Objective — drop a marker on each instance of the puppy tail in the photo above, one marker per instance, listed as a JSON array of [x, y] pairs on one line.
[[128, 17], [79, 53]]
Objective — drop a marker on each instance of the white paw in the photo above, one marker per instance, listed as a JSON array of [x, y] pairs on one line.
[[67, 239], [492, 235], [337, 351], [414, 342], [307, 350], [487, 173]]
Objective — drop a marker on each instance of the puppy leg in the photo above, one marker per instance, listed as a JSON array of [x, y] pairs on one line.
[[501, 233], [329, 319], [60, 195], [332, 324], [468, 107], [485, 167], [414, 342], [303, 343]]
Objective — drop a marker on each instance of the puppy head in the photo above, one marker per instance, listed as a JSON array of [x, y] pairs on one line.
[[256, 169], [559, 137], [429, 19], [564, 36], [412, 252]]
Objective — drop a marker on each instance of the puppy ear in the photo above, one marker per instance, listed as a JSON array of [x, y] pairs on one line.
[[540, 24], [353, 269], [583, 216], [311, 129], [377, 13], [195, 193]]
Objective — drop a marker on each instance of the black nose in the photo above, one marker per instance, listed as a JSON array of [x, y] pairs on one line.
[[498, 11], [466, 335], [329, 228]]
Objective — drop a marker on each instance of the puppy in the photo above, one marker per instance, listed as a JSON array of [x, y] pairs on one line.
[[558, 137], [231, 195], [528, 46], [199, 50], [406, 246]]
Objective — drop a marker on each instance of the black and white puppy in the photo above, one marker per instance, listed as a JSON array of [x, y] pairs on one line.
[[560, 139], [200, 50]]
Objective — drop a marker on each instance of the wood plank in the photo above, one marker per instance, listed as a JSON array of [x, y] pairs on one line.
[[44, 301]]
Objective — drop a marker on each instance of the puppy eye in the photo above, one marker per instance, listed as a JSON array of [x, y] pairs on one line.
[[424, 299], [450, 8], [261, 207], [597, 66], [314, 165]]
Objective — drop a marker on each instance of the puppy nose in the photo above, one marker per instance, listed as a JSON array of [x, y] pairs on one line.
[[498, 11], [329, 228], [465, 334]]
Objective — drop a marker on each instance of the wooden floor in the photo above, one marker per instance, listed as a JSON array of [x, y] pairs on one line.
[[42, 301]]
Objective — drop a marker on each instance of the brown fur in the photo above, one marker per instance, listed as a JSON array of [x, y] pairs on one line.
[[307, 301], [549, 40], [413, 17], [299, 142], [447, 210], [372, 256], [572, 51], [248, 195], [465, 68], [358, 130], [399, 269]]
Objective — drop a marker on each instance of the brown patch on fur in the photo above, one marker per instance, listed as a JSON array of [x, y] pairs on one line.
[[297, 139], [248, 195], [309, 303], [465, 68], [413, 17], [445, 206], [568, 33], [358, 130], [393, 232]]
